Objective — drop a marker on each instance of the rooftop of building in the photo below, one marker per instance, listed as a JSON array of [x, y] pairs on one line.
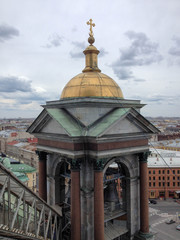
[[175, 143], [160, 158], [16, 166]]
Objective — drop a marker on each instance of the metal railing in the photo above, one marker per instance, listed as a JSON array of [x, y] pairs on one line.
[[23, 214]]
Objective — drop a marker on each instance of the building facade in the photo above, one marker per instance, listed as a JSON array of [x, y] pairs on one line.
[[164, 174]]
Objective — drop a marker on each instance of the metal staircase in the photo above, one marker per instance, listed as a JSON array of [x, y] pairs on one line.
[[23, 214]]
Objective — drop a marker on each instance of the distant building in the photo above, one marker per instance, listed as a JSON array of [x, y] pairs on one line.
[[164, 174], [172, 144], [20, 145], [23, 172]]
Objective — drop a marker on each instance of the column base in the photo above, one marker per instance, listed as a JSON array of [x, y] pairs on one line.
[[144, 236]]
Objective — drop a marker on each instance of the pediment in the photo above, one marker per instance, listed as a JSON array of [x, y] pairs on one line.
[[123, 126], [56, 121], [122, 121], [53, 127]]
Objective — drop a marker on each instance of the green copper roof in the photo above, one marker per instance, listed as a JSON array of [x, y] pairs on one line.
[[6, 162], [21, 176], [22, 168], [68, 123], [106, 122]]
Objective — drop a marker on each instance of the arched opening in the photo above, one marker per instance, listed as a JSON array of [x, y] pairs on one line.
[[63, 184], [63, 195], [116, 200]]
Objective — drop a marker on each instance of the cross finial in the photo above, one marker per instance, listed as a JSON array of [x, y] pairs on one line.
[[91, 25]]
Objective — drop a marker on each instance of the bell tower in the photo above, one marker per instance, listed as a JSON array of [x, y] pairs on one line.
[[93, 148]]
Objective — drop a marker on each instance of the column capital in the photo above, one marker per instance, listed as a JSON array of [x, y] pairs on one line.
[[99, 164], [75, 163], [143, 156], [42, 155]]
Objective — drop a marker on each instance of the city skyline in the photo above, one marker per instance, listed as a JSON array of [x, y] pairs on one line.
[[41, 44]]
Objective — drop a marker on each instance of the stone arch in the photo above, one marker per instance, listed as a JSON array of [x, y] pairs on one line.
[[62, 181], [124, 161], [124, 187]]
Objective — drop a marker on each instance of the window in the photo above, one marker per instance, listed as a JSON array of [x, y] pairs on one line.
[[178, 171], [168, 184], [159, 171], [173, 178], [174, 184], [173, 171], [163, 184], [149, 184], [154, 184], [159, 178], [149, 178], [163, 171], [149, 172], [159, 184], [167, 178], [153, 178], [163, 178], [153, 171], [167, 171], [178, 184]]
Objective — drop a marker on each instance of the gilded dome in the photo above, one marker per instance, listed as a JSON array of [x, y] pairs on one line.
[[91, 82]]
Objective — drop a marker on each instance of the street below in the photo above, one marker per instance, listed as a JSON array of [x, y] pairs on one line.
[[161, 212]]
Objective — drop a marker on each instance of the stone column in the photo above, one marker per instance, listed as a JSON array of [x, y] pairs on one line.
[[98, 203], [144, 206], [42, 175], [87, 199], [75, 201]]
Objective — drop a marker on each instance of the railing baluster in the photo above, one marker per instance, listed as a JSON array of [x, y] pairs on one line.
[[3, 188], [39, 223], [55, 219], [17, 209], [9, 201], [47, 226], [30, 214]]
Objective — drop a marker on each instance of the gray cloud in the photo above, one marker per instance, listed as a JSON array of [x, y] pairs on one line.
[[139, 80], [141, 51], [7, 32], [20, 89], [76, 54], [54, 40], [123, 73], [102, 52], [80, 45], [14, 84], [78, 49], [74, 29], [175, 50], [158, 98]]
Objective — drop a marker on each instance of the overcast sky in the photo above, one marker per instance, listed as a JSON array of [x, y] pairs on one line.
[[41, 44]]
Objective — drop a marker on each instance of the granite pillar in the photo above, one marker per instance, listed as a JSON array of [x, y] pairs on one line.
[[42, 175], [98, 205], [144, 206]]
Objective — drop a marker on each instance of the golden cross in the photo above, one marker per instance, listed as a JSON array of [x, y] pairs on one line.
[[91, 25]]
